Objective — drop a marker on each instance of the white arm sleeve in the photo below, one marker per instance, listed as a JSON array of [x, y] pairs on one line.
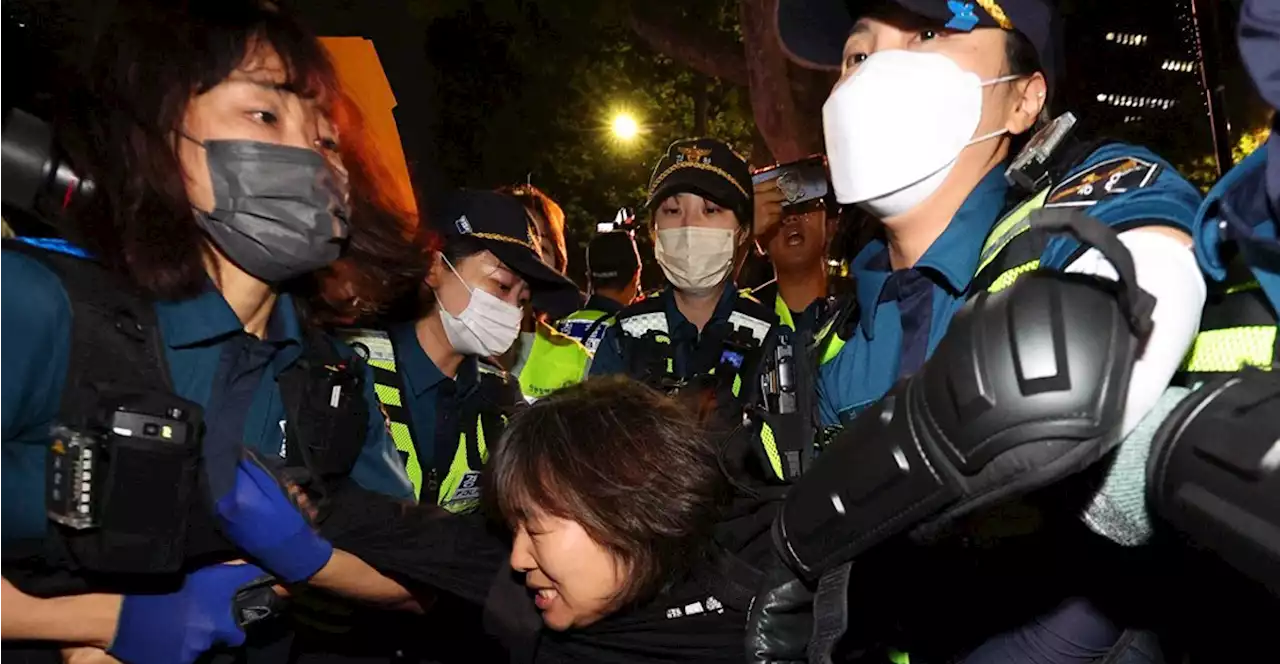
[[1167, 270]]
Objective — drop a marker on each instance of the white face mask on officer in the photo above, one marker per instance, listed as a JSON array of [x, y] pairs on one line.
[[487, 326], [695, 259], [895, 127]]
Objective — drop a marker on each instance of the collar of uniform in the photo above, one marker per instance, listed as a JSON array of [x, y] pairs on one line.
[[468, 377], [955, 253], [207, 317], [680, 326], [953, 256], [417, 370], [602, 303], [1242, 188]]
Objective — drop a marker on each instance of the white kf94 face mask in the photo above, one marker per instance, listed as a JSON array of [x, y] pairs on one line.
[[486, 327], [895, 127], [696, 260]]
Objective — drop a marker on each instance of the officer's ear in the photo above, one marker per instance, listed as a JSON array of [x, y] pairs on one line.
[[435, 271], [1027, 102]]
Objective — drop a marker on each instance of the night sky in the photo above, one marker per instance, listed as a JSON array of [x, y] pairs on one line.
[[504, 91]]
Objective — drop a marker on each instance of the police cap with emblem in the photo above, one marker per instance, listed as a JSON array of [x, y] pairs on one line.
[[813, 32], [498, 222], [706, 167]]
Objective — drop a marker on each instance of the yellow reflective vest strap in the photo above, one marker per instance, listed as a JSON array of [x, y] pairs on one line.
[[1238, 330], [1010, 226], [1004, 232], [375, 346], [581, 316], [1231, 349], [555, 361], [783, 312], [1006, 229]]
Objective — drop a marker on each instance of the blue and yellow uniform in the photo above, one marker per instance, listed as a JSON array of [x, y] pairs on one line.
[[588, 324], [805, 321], [685, 340], [548, 361], [1238, 328], [196, 333], [442, 427], [904, 314]]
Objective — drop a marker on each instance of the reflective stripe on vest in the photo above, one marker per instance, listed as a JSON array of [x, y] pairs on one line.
[[1238, 330], [1231, 349], [460, 490], [642, 324], [582, 326], [376, 347], [555, 361], [783, 312], [1009, 227]]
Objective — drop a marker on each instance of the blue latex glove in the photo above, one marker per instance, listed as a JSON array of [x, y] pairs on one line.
[[260, 519], [179, 627]]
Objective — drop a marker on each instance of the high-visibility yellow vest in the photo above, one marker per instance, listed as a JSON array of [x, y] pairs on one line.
[[459, 490], [1237, 330], [555, 361], [586, 326]]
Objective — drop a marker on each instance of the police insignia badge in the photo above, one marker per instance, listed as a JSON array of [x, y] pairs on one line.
[[694, 154], [962, 16], [1108, 178]]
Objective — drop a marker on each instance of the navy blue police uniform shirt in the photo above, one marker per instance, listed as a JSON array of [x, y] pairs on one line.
[[921, 301], [684, 336], [602, 303], [433, 400], [1237, 211], [195, 331]]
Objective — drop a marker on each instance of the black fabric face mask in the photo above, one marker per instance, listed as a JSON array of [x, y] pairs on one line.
[[275, 208]]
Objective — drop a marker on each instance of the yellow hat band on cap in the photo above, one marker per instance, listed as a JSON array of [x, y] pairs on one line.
[[662, 177], [504, 238], [996, 12]]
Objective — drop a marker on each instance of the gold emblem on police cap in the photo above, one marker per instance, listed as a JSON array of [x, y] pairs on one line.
[[694, 153]]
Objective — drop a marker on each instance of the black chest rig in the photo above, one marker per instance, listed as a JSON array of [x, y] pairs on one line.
[[126, 483]]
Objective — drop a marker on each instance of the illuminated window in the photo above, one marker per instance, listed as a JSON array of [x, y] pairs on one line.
[[1126, 38]]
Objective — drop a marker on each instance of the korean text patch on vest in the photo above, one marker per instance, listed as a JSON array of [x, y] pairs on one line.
[[468, 488], [1107, 178]]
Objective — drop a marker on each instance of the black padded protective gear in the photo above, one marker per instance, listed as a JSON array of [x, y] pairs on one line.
[[1214, 471], [1018, 395]]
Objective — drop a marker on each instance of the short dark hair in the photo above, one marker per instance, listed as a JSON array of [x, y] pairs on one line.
[[122, 122], [617, 282], [627, 463]]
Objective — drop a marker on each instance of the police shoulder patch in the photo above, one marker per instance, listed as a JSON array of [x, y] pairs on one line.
[[1107, 178]]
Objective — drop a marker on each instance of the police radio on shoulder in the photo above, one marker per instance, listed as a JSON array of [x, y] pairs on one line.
[[1030, 169]]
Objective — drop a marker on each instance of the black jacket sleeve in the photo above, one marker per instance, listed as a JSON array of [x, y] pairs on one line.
[[417, 545]]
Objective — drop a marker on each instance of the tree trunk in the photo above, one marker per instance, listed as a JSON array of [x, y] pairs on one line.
[[782, 122], [700, 104]]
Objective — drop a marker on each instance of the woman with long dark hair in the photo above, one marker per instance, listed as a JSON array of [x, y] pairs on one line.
[[187, 296]]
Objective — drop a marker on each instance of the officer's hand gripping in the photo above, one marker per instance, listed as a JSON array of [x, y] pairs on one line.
[[212, 608], [258, 517]]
